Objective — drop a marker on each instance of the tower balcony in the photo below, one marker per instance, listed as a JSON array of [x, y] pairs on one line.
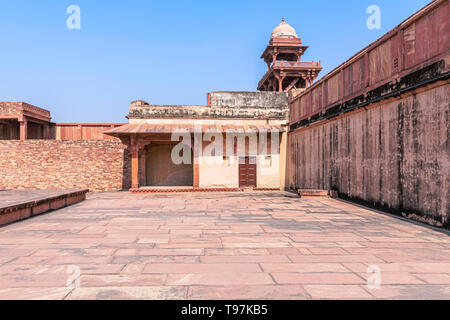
[[288, 64], [288, 71]]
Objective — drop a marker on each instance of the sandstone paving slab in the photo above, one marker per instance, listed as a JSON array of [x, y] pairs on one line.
[[223, 278], [412, 292], [260, 245], [34, 293], [256, 292], [338, 291], [318, 278], [129, 293], [432, 278]]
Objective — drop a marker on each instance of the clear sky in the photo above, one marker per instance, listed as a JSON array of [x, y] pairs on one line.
[[165, 52]]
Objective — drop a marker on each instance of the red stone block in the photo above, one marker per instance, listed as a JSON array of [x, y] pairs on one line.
[[228, 278], [317, 278], [41, 208], [202, 268], [57, 204]]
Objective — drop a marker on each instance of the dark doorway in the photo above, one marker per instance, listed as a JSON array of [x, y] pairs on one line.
[[247, 172], [9, 129], [162, 172]]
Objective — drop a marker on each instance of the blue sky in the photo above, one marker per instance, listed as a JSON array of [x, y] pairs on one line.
[[165, 52]]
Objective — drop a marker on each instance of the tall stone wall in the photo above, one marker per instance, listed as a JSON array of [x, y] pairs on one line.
[[393, 154], [101, 165], [376, 127]]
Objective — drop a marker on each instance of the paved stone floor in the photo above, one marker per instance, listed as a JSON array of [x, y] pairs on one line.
[[221, 246]]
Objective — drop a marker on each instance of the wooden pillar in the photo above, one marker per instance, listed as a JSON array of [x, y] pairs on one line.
[[280, 83], [283, 157], [11, 133], [308, 81], [134, 168], [366, 73], [197, 146], [196, 176], [46, 131], [80, 132], [24, 129], [134, 164], [142, 167]]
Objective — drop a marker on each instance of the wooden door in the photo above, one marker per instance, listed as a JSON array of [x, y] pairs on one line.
[[247, 172]]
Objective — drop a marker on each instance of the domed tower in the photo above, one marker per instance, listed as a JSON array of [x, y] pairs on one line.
[[283, 55]]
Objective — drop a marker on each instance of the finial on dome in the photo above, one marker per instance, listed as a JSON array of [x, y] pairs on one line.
[[284, 30]]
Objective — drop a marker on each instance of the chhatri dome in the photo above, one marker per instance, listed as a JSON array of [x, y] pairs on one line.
[[284, 31]]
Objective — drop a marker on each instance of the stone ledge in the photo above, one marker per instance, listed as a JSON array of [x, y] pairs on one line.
[[317, 193], [26, 207], [192, 189], [181, 189]]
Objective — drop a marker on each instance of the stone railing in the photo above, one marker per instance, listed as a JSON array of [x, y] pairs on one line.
[[283, 63]]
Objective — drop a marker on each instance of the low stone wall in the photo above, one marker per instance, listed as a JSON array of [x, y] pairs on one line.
[[393, 155], [25, 204], [101, 165], [83, 131]]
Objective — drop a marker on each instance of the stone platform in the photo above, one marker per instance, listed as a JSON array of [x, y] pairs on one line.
[[317, 193], [193, 189], [212, 246], [17, 205]]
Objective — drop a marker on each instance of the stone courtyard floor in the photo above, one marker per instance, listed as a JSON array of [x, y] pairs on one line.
[[221, 246]]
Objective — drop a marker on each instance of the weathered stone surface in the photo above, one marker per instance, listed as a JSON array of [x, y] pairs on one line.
[[51, 164], [16, 108], [237, 99], [174, 246], [376, 127], [394, 155], [251, 105]]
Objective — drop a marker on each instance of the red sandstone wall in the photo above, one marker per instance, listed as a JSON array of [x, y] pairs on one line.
[[418, 41], [10, 108], [101, 165], [376, 127], [395, 155], [83, 131]]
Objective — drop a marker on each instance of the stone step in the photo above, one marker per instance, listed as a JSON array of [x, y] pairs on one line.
[[16, 205], [317, 193]]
